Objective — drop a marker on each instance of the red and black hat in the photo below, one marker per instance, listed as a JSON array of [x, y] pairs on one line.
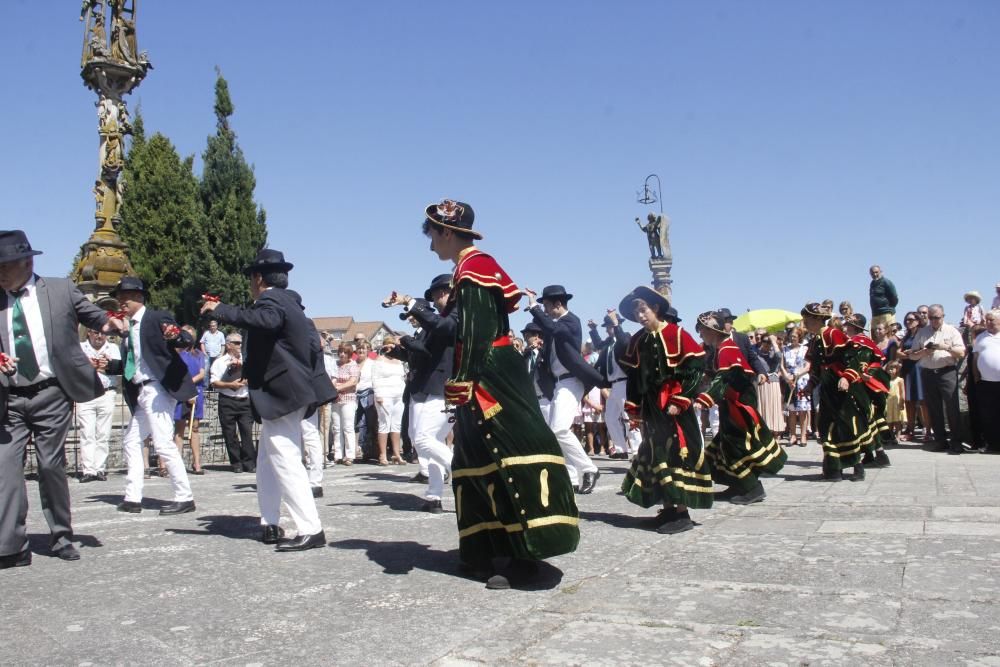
[[858, 321], [817, 310], [452, 214]]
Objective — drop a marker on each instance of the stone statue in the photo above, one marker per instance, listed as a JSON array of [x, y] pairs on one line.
[[652, 229], [123, 42], [657, 229], [87, 4]]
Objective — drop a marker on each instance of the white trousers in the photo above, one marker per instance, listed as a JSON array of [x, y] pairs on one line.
[[345, 440], [312, 443], [429, 428], [93, 422], [545, 406], [565, 404], [613, 417], [153, 417], [390, 414], [281, 475]]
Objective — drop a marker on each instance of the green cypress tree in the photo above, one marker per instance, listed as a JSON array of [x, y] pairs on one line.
[[163, 223], [235, 227]]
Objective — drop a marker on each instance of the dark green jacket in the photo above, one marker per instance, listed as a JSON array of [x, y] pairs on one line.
[[882, 296]]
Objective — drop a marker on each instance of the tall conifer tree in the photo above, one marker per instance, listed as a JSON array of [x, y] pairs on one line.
[[163, 223], [235, 227]]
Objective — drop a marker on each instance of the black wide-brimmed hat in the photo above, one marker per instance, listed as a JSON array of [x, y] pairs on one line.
[[858, 321], [608, 322], [651, 297], [532, 328], [672, 315], [712, 320], [453, 214], [555, 292], [815, 309], [725, 314], [268, 260], [443, 280], [130, 284], [14, 245]]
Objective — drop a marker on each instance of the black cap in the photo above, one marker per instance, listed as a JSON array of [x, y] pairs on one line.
[[648, 295], [443, 280], [555, 292], [453, 214], [725, 314], [14, 245], [268, 260]]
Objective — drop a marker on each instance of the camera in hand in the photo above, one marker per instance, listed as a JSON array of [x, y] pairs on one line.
[[930, 345]]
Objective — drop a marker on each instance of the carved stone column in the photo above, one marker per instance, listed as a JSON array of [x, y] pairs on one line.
[[111, 73]]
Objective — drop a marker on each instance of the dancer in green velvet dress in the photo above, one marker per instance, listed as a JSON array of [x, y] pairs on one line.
[[744, 446], [876, 380], [513, 496], [845, 421], [664, 366]]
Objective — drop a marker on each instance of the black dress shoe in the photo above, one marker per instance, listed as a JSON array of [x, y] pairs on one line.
[[433, 506], [589, 482], [882, 459], [102, 476], [303, 542], [129, 506], [955, 451], [237, 468], [272, 534], [178, 508], [858, 475], [89, 478], [317, 491], [419, 478], [21, 559], [67, 552]]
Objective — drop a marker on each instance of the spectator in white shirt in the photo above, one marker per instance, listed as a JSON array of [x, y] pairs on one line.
[[986, 374], [388, 382], [938, 347], [93, 418]]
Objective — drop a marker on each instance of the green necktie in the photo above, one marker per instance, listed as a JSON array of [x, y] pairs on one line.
[[130, 357], [27, 363]]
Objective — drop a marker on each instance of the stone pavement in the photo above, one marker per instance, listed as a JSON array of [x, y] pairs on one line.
[[901, 569]]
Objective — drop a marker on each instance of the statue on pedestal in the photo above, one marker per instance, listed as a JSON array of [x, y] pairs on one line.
[[657, 230]]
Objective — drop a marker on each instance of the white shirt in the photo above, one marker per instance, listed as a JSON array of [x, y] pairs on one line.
[[107, 350], [365, 381], [388, 378], [221, 372], [554, 363], [946, 337], [987, 351], [33, 316], [142, 370]]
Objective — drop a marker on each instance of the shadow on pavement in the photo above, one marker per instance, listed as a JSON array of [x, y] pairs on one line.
[[401, 502], [404, 557], [116, 498], [39, 542], [243, 527], [619, 520]]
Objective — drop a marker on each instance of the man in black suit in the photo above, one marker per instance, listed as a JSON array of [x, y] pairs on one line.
[[44, 371], [430, 354], [572, 375], [612, 349], [534, 338], [154, 380], [283, 377]]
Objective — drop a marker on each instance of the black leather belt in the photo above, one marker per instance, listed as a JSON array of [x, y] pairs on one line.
[[33, 389], [565, 376], [939, 371], [142, 384], [618, 380]]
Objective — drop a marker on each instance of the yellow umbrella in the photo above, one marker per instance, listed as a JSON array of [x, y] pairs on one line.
[[772, 319]]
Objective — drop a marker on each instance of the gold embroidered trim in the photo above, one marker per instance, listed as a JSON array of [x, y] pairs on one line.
[[474, 472]]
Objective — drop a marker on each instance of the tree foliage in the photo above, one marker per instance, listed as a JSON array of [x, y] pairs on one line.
[[189, 236], [235, 227], [163, 224]]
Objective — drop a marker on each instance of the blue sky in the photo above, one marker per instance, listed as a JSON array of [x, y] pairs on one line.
[[798, 142]]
